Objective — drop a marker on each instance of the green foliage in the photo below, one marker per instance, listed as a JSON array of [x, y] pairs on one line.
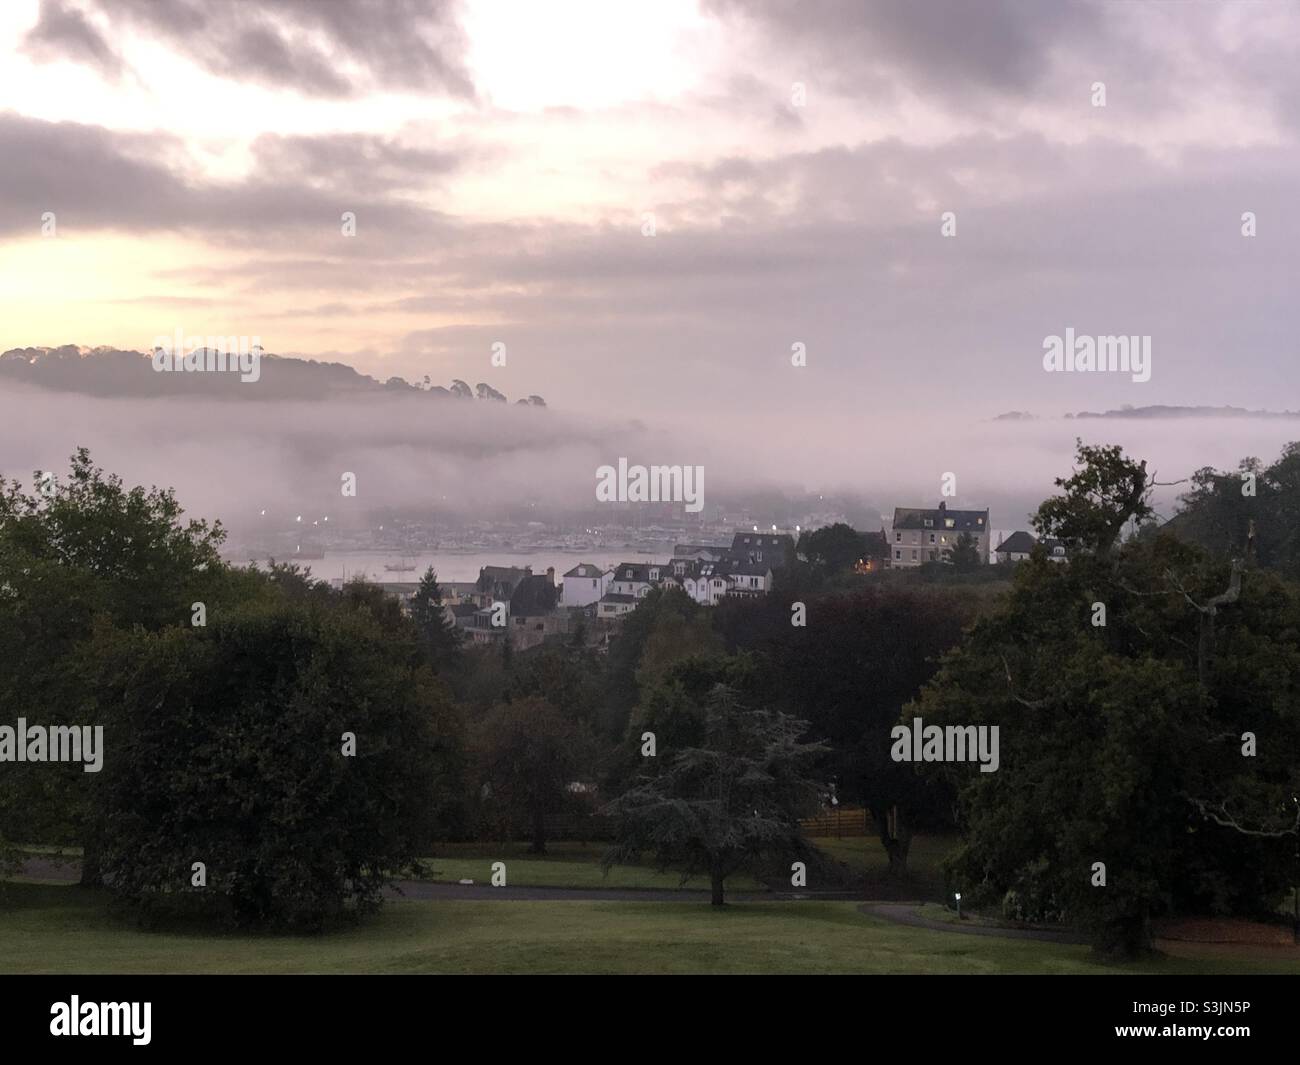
[[528, 756], [964, 556], [1222, 516], [849, 673], [728, 804], [834, 548], [627, 648], [1121, 743], [1108, 492], [438, 632], [77, 554], [226, 747]]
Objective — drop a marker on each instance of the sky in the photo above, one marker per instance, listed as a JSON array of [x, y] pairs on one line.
[[651, 204]]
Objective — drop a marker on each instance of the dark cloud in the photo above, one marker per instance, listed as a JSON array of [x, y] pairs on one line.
[[93, 178], [948, 46], [356, 162], [64, 32], [331, 48]]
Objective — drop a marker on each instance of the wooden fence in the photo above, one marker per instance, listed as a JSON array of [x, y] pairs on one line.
[[839, 821]]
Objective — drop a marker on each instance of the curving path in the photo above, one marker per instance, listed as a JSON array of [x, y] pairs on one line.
[[903, 913]]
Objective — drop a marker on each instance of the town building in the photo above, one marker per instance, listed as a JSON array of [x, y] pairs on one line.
[[1020, 545], [584, 584], [918, 535]]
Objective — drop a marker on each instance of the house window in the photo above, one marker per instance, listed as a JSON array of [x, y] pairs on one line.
[[898, 538], [950, 523], [898, 555], [932, 538], [929, 523], [913, 554]]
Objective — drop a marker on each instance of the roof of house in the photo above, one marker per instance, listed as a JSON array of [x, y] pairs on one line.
[[1019, 543], [500, 580], [639, 571], [584, 569], [1022, 542], [976, 521], [533, 595], [776, 549]]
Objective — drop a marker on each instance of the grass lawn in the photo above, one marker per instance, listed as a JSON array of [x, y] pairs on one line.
[[68, 930], [865, 854], [569, 865]]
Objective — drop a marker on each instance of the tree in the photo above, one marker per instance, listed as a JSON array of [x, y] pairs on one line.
[[965, 555], [80, 552], [1100, 499], [627, 649], [529, 756], [834, 548], [1251, 513], [298, 750], [1124, 685], [849, 672], [438, 633], [727, 804]]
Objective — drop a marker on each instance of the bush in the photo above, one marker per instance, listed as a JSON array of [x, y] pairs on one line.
[[225, 746]]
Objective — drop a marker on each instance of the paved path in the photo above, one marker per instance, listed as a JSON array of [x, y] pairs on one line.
[[68, 870], [905, 913]]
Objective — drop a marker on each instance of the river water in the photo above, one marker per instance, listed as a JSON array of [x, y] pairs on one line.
[[463, 565]]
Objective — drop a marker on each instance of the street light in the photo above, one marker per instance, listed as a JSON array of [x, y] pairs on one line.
[[959, 905]]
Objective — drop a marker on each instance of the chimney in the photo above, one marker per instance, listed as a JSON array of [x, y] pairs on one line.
[[550, 575], [943, 505]]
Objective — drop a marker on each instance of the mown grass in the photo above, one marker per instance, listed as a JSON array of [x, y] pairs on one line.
[[565, 865], [70, 930]]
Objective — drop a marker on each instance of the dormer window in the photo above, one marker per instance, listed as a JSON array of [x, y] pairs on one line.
[[949, 523]]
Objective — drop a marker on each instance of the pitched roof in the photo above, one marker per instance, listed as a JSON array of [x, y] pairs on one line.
[[640, 571], [1019, 543], [584, 569], [776, 549], [533, 595], [976, 521]]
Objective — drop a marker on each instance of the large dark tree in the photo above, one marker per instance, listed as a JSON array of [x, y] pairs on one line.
[[1124, 685], [437, 631], [834, 548], [849, 671], [729, 804], [300, 751], [78, 552], [530, 756]]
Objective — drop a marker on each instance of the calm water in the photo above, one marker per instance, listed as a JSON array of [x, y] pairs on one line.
[[465, 565]]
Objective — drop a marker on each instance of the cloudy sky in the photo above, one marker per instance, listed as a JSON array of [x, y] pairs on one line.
[[503, 160]]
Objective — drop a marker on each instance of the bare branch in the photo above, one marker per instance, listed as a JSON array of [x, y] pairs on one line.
[[1033, 704], [1220, 816]]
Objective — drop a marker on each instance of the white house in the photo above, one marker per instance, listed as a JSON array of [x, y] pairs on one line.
[[584, 584], [1020, 545], [636, 578]]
